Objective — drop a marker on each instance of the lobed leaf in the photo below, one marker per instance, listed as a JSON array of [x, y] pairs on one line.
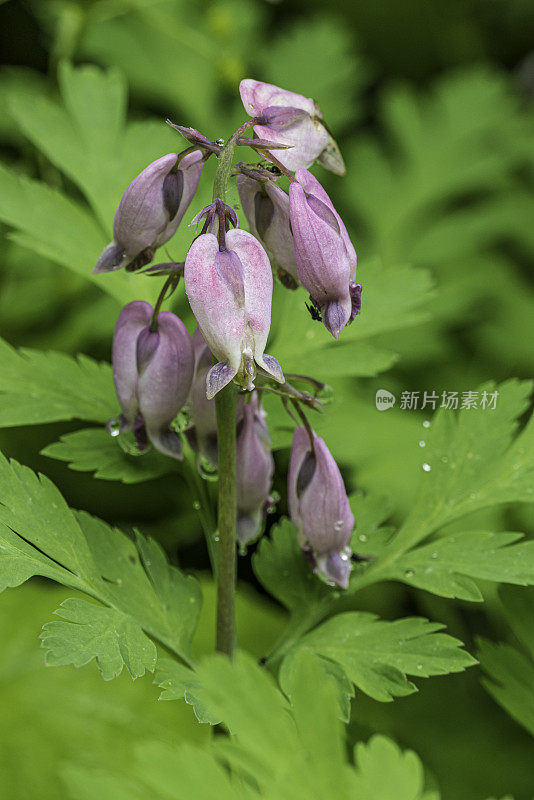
[[447, 566], [37, 387], [91, 631], [94, 450], [139, 591], [377, 655]]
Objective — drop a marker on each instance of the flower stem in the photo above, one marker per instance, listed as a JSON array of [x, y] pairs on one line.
[[226, 404], [226, 159]]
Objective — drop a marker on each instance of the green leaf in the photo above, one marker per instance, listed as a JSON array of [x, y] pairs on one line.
[[386, 772], [282, 569], [439, 145], [179, 683], [37, 387], [447, 566], [472, 462], [138, 589], [276, 752], [377, 655], [63, 715], [144, 41], [317, 58], [94, 450], [56, 227], [510, 671], [92, 631], [392, 299], [87, 130], [86, 784]]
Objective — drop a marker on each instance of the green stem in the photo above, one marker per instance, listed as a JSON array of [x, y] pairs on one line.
[[226, 405], [226, 161], [200, 496]]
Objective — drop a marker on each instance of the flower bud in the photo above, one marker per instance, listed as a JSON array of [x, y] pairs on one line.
[[230, 292], [254, 472], [152, 371], [266, 208], [319, 507], [150, 211], [325, 256], [292, 119]]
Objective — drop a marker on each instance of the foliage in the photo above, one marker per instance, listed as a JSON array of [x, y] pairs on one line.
[[438, 199]]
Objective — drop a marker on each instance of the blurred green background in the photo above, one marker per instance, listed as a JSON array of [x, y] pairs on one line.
[[432, 104]]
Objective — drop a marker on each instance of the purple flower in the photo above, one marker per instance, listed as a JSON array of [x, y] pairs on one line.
[[319, 507], [266, 208], [229, 288], [255, 468], [150, 211], [152, 371], [325, 256], [292, 119]]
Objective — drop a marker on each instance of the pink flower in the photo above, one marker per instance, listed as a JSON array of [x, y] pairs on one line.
[[150, 211], [325, 256], [292, 119], [319, 507], [152, 371], [230, 292]]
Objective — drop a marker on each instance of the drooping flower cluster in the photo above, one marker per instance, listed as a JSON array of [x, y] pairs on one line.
[[228, 275]]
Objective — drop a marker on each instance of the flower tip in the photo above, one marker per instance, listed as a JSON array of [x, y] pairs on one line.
[[336, 568], [334, 318], [167, 442], [218, 377], [272, 367], [110, 259]]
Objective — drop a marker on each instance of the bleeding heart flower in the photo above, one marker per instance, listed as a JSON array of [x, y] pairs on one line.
[[150, 211], [229, 287], [319, 507], [325, 256], [152, 371], [292, 119]]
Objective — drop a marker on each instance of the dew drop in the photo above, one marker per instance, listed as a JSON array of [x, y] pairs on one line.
[[434, 555], [409, 573], [362, 537], [419, 666], [422, 443], [426, 423], [338, 524], [216, 538], [444, 459], [427, 467], [196, 505]]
